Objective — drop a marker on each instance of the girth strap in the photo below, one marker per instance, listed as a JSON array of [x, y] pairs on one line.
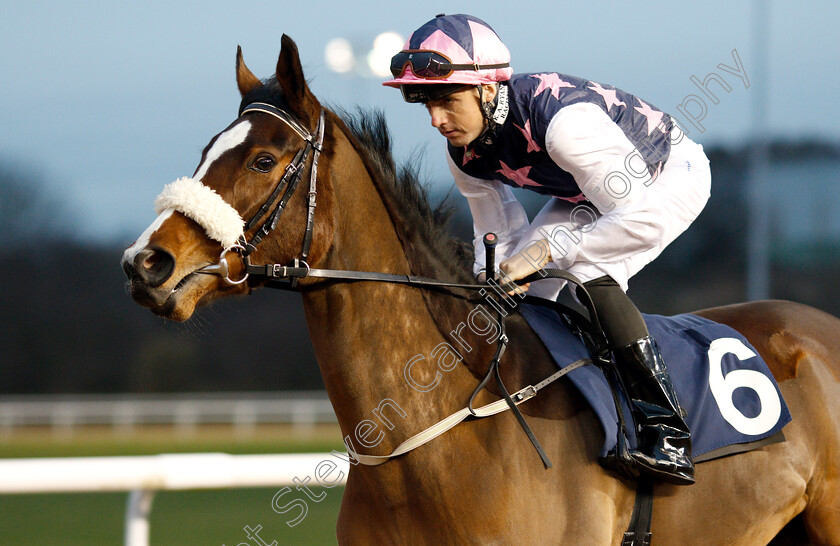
[[638, 533]]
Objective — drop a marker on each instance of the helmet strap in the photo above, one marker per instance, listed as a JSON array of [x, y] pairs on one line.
[[487, 107], [495, 113]]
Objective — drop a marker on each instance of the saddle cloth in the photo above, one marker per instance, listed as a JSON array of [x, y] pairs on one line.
[[732, 401]]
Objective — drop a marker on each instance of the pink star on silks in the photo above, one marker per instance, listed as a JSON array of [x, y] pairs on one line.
[[656, 173], [607, 94], [469, 155], [654, 117], [526, 132], [550, 81], [518, 176], [576, 199]]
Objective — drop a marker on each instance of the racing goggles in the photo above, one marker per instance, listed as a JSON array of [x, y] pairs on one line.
[[432, 65]]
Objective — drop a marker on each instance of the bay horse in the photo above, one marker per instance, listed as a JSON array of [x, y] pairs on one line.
[[481, 482]]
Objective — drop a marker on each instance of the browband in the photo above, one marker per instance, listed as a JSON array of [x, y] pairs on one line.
[[282, 115]]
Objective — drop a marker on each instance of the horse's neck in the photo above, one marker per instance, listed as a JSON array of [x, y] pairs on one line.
[[389, 354], [366, 333]]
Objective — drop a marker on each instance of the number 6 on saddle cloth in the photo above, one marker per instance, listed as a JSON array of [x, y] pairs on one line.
[[732, 401]]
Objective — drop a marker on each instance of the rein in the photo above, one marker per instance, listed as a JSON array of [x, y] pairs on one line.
[[286, 277], [597, 345]]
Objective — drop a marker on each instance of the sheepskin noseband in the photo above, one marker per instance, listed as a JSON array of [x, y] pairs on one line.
[[206, 207]]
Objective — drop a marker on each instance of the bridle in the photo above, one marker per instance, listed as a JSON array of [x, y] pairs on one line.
[[283, 191], [289, 181], [276, 274], [286, 277], [588, 329]]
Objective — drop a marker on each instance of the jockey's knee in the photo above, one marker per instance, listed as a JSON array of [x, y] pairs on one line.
[[621, 320]]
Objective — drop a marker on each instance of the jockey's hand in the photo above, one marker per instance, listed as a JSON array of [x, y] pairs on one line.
[[529, 260], [482, 278]]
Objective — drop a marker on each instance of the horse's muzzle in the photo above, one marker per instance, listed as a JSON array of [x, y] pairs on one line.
[[152, 266]]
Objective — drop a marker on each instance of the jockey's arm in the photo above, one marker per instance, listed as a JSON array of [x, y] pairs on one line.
[[494, 209], [585, 142]]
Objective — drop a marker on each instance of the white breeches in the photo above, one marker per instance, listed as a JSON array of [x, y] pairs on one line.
[[620, 242]]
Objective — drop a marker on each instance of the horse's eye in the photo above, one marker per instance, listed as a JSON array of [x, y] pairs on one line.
[[263, 164]]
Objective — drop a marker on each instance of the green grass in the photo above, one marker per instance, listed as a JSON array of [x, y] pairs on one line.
[[212, 517]]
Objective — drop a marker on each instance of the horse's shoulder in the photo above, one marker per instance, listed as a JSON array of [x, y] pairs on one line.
[[784, 332]]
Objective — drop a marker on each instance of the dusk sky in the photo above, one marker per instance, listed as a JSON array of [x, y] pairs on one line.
[[109, 101]]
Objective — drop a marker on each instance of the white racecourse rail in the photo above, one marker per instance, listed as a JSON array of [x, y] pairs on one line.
[[143, 475]]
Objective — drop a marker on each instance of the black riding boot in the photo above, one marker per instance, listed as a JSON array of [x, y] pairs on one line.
[[664, 442]]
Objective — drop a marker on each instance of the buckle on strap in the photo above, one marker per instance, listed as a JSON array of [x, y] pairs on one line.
[[293, 271], [276, 271], [528, 392]]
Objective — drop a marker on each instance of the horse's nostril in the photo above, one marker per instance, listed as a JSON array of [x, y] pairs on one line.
[[154, 266], [150, 260], [128, 268]]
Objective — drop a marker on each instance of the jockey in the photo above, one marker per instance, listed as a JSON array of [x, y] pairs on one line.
[[624, 182]]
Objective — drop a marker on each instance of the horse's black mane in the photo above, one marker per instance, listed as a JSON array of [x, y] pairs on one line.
[[371, 131], [417, 220]]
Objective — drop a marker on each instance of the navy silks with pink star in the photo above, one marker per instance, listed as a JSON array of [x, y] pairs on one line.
[[518, 155]]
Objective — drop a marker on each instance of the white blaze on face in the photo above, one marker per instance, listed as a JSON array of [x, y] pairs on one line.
[[143, 240], [199, 202], [228, 140]]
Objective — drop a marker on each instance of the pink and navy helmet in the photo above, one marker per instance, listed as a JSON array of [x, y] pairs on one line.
[[451, 49]]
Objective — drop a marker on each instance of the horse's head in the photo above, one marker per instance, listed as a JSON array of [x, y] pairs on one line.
[[191, 254]]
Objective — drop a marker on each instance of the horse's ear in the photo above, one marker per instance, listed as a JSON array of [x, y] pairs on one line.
[[245, 79], [290, 77]]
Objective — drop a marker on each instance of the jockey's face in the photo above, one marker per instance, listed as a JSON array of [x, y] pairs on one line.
[[458, 116]]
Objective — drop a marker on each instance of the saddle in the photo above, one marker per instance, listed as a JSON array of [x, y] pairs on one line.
[[731, 399]]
